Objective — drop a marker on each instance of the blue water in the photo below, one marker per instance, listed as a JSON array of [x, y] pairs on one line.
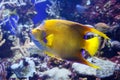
[[41, 10]]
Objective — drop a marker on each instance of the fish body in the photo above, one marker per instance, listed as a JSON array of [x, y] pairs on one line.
[[65, 40]]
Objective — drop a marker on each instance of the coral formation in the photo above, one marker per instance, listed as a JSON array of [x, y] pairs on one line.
[[106, 11], [2, 41], [22, 59], [24, 69], [3, 66]]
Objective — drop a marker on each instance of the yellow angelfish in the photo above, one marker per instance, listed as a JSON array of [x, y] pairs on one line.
[[65, 39]]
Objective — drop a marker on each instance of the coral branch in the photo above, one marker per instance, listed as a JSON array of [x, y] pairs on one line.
[[1, 41], [21, 48], [17, 46]]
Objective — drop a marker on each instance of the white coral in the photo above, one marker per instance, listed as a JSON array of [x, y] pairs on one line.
[[1, 41], [83, 69], [22, 48], [58, 73], [24, 71], [107, 68], [54, 8]]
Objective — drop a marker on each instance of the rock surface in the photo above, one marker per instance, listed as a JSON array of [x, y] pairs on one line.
[[107, 68]]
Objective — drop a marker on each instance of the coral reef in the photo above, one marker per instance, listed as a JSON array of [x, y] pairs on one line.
[[23, 48], [106, 11], [12, 36], [54, 9], [24, 69], [2, 41], [57, 73], [47, 68], [3, 66], [20, 58], [107, 68], [40, 66]]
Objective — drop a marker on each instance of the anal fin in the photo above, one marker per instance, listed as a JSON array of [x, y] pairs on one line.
[[84, 61]]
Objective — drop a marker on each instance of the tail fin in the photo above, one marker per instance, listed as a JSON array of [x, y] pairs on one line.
[[92, 45]]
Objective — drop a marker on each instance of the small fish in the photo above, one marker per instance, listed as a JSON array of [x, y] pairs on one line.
[[65, 40], [88, 2], [81, 9]]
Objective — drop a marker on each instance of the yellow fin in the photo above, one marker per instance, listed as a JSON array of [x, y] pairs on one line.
[[91, 65], [99, 33], [92, 45], [84, 61], [50, 38]]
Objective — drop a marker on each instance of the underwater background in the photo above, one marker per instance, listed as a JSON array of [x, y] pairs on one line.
[[22, 59]]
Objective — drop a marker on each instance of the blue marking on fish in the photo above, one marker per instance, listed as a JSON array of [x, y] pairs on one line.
[[44, 37], [37, 43]]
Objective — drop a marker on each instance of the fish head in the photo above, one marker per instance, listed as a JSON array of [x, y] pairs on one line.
[[38, 34]]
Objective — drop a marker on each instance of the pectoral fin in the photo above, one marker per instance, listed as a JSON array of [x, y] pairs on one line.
[[50, 38]]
